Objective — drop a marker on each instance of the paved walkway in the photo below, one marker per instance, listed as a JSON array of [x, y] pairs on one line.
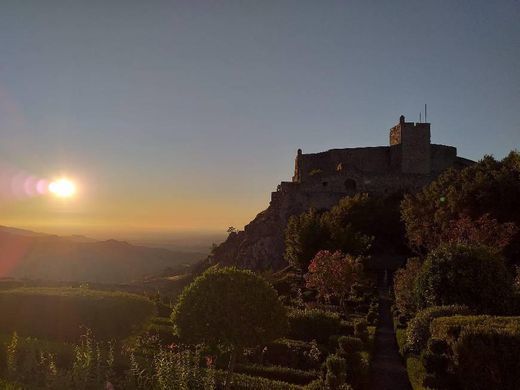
[[388, 371]]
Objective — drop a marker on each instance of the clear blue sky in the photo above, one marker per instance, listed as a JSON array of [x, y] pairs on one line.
[[187, 114]]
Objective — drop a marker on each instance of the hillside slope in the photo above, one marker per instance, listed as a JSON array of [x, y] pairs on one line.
[[25, 254]]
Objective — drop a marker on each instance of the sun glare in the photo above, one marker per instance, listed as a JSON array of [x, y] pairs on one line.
[[63, 188]]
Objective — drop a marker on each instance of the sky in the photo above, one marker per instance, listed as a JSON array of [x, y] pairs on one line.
[[175, 116]]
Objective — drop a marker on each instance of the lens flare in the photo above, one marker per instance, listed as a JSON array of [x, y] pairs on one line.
[[63, 188]]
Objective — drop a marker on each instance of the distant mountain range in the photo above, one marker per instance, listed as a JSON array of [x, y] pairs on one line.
[[25, 254]]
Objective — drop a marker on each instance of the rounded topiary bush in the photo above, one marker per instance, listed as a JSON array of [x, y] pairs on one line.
[[229, 307], [464, 275]]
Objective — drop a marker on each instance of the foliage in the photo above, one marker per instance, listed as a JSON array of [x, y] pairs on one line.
[[246, 382], [416, 372], [63, 313], [333, 274], [313, 324], [450, 328], [404, 285], [283, 374], [471, 276], [348, 227], [348, 345], [292, 353], [349, 349], [346, 224], [487, 358], [418, 331], [336, 374], [473, 206], [435, 360], [363, 222], [231, 308], [484, 350], [305, 235], [91, 365]]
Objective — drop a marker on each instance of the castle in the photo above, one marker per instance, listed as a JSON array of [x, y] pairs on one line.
[[320, 180]]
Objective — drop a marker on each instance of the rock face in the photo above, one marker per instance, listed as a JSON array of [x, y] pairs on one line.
[[320, 180]]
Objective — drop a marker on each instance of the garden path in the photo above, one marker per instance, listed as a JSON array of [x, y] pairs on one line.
[[388, 371]]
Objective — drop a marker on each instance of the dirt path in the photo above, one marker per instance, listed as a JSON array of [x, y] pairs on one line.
[[388, 371]]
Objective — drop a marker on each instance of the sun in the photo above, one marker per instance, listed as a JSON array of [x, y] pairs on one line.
[[63, 188]]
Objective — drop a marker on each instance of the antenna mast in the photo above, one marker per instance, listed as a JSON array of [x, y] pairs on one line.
[[425, 113]]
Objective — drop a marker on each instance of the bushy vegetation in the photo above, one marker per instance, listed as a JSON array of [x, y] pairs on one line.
[[278, 373], [64, 313], [418, 331], [313, 324], [305, 355], [404, 287], [478, 352], [449, 328], [479, 205], [357, 225], [229, 309], [333, 274], [471, 276]]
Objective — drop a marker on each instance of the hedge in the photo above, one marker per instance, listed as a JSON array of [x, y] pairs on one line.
[[484, 350], [291, 353], [488, 358], [246, 382], [313, 324], [449, 328], [418, 331], [64, 313], [278, 373]]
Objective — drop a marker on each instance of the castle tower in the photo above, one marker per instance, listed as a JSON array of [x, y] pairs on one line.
[[415, 146], [297, 167]]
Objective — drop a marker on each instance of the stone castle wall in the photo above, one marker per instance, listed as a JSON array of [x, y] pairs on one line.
[[321, 179]]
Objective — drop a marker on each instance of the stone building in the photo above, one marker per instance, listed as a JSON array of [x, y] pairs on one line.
[[320, 180]]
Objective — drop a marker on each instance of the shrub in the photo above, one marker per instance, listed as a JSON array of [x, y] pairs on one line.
[[246, 382], [488, 187], [333, 274], [487, 358], [348, 345], [63, 313], [163, 328], [292, 353], [283, 374], [471, 276], [435, 360], [450, 328], [418, 331], [404, 285], [231, 309], [349, 349], [336, 375], [372, 317], [360, 330], [313, 324]]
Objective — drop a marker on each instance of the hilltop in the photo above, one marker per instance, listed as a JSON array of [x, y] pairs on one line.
[[32, 255]]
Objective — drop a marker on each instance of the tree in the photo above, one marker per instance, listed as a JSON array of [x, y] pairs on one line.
[[464, 275], [231, 309], [332, 274], [305, 235], [361, 223], [486, 195]]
